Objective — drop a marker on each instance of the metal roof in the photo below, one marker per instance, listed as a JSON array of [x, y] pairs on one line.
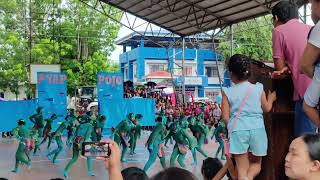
[[134, 38], [187, 17]]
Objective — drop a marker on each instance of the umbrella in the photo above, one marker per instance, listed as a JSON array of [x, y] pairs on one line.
[[151, 83], [92, 104], [161, 86], [168, 90]]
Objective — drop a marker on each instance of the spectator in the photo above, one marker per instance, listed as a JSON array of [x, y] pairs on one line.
[[134, 173], [242, 110], [229, 169], [210, 167], [174, 173], [303, 158], [289, 38], [311, 67]]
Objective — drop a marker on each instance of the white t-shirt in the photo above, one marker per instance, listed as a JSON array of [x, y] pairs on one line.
[[314, 39]]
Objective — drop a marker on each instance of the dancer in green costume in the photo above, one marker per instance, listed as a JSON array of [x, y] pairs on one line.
[[121, 132], [200, 132], [57, 135], [135, 133], [98, 125], [163, 115], [220, 132], [47, 130], [71, 129], [155, 145], [35, 140], [22, 134], [83, 134], [183, 143], [37, 120]]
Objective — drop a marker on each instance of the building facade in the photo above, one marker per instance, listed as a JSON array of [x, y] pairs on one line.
[[202, 66]]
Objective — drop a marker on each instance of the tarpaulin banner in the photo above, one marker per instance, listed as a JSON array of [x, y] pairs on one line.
[[52, 94], [12, 111], [117, 110], [110, 86]]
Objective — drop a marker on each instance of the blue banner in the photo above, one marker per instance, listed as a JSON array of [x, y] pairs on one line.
[[52, 94], [12, 111], [116, 110], [110, 86]]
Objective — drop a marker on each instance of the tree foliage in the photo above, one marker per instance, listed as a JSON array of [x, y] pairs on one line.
[[252, 38], [62, 32]]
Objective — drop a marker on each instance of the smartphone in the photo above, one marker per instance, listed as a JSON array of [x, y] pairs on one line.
[[95, 149]]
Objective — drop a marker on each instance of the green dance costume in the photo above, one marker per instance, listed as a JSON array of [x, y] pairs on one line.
[[22, 134], [135, 134], [200, 132], [121, 132], [57, 135], [183, 143], [83, 134], [72, 126], [220, 132], [155, 145], [37, 120], [47, 130], [98, 126]]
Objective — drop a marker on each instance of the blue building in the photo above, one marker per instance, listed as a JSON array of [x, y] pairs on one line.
[[202, 65]]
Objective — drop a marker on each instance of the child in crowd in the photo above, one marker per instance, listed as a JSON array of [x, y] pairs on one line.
[[242, 110]]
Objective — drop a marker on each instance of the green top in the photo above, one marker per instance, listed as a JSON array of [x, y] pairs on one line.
[[21, 132], [124, 127], [37, 119], [136, 130], [84, 130], [181, 136], [158, 134], [221, 129], [48, 124], [61, 128]]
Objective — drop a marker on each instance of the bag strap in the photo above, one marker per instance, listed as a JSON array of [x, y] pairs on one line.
[[240, 108]]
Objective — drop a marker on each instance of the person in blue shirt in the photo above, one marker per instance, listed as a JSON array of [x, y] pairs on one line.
[[244, 103]]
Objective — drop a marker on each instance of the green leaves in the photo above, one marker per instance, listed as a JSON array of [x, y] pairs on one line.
[[63, 32], [251, 38]]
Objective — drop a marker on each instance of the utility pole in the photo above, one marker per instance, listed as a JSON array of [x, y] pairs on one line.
[[183, 73]]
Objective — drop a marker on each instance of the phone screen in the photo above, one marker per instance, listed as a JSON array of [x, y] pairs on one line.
[[95, 149]]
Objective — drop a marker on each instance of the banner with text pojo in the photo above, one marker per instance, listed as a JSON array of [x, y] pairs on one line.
[[52, 93], [110, 86]]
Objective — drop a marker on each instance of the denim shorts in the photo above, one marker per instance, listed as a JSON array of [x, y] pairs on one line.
[[302, 123], [254, 141]]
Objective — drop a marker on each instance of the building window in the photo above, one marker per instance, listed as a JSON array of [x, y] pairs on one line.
[[211, 71], [156, 67]]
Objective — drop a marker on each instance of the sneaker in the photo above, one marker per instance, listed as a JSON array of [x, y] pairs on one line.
[[91, 174], [65, 174]]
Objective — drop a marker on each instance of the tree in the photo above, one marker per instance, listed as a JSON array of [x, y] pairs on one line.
[[62, 32], [252, 38]]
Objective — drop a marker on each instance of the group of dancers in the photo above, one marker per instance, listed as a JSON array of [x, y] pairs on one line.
[[85, 128], [168, 129], [89, 127]]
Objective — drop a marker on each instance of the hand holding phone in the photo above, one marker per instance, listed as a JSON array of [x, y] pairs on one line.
[[96, 149]]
